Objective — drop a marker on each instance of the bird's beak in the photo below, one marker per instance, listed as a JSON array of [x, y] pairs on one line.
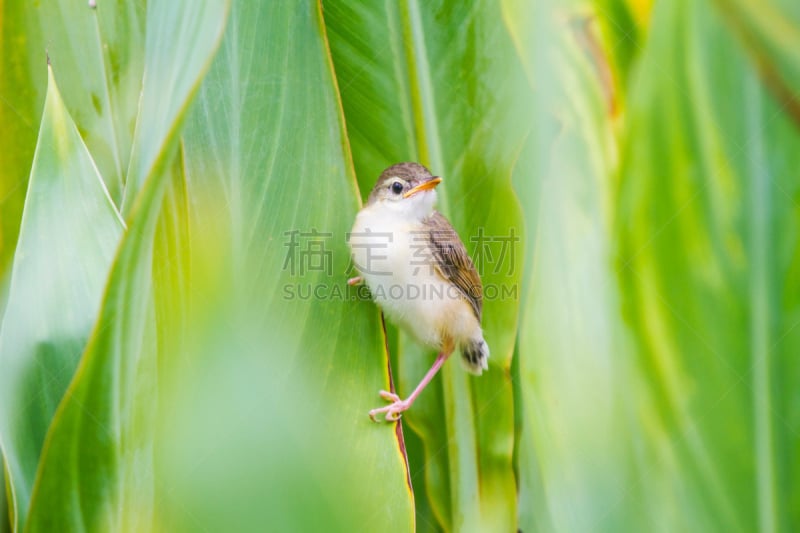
[[424, 186]]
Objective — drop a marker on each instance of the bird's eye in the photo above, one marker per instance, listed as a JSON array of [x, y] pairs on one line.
[[397, 187]]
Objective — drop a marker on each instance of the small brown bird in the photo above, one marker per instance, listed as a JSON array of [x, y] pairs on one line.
[[418, 271]]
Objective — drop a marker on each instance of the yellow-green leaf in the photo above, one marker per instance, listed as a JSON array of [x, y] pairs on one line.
[[96, 470], [274, 390], [22, 91], [708, 232], [97, 61], [72, 228]]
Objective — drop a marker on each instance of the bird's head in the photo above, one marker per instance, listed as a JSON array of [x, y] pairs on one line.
[[407, 189]]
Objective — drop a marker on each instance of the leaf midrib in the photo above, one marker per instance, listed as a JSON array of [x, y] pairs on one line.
[[423, 101], [458, 416], [760, 316]]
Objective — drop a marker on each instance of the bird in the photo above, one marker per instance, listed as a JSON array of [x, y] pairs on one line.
[[419, 273]]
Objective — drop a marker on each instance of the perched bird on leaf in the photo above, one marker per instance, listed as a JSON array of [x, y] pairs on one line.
[[418, 271]]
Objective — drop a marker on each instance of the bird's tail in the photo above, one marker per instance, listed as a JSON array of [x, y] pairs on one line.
[[475, 356]]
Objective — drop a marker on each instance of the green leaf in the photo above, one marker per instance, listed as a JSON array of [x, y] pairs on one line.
[[623, 39], [708, 229], [5, 513], [172, 63], [96, 469], [284, 377], [771, 34], [97, 61], [439, 83], [22, 92], [70, 226], [96, 58], [573, 452]]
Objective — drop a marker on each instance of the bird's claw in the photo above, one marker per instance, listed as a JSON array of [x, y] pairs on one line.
[[393, 411], [389, 396]]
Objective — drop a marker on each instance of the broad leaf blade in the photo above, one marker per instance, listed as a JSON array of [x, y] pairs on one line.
[[97, 60], [287, 376], [439, 83], [716, 321], [5, 515], [623, 40], [172, 63], [573, 463], [770, 32], [22, 91], [96, 471], [70, 226]]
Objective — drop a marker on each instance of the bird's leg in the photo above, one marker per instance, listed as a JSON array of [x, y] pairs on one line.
[[355, 281], [398, 406]]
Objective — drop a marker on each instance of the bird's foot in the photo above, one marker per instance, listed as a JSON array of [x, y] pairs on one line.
[[393, 410], [355, 281], [389, 396]]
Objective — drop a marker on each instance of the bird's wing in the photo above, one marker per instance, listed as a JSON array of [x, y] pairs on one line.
[[453, 262]]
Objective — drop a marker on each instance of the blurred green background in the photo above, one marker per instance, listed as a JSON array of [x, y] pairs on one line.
[[179, 350]]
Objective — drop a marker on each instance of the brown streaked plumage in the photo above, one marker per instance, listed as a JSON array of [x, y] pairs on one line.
[[453, 262]]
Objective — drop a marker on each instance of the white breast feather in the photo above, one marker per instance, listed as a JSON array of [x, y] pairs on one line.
[[396, 265]]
